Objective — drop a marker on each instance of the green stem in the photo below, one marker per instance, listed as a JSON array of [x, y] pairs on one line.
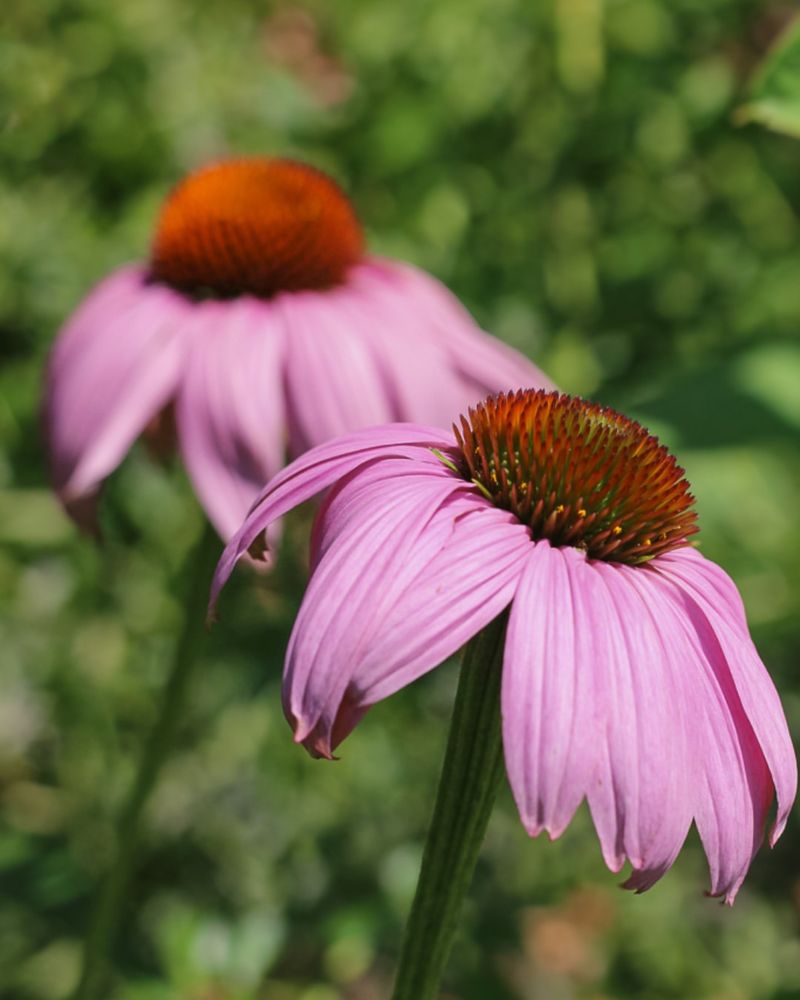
[[108, 910], [471, 773]]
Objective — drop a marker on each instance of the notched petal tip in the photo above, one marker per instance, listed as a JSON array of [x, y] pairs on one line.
[[318, 748], [314, 739], [724, 898], [322, 737], [553, 832]]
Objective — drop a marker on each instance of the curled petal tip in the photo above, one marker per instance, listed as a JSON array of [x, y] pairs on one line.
[[776, 832], [258, 549], [300, 729], [212, 616]]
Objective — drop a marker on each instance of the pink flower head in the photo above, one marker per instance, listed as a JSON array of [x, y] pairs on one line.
[[629, 676], [260, 318]]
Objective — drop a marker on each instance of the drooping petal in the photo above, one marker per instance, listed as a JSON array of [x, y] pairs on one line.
[[402, 588], [551, 728], [318, 469], [730, 781], [114, 365], [352, 586], [367, 488], [688, 566], [486, 364], [714, 597], [454, 597], [421, 380], [333, 385], [640, 798], [230, 408]]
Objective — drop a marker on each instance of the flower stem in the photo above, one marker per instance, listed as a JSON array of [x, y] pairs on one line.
[[473, 766], [108, 911]]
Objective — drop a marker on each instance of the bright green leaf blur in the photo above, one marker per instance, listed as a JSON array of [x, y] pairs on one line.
[[775, 95]]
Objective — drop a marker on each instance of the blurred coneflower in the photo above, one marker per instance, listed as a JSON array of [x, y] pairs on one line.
[[260, 323], [258, 328]]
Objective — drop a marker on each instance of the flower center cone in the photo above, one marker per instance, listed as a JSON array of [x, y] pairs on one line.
[[255, 226], [579, 474]]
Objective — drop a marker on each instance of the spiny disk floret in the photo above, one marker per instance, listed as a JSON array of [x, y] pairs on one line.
[[255, 226], [579, 474]]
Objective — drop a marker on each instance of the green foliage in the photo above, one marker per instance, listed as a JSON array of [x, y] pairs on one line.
[[572, 170], [775, 96]]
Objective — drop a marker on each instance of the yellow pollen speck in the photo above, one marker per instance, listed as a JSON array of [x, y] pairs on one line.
[[582, 512], [647, 542], [616, 530], [559, 509]]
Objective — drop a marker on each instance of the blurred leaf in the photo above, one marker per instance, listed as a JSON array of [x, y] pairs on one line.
[[33, 518], [775, 90]]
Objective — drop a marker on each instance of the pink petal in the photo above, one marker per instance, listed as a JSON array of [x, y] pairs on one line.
[[713, 596], [551, 724], [421, 378], [230, 408], [731, 785], [484, 363], [466, 586], [401, 589], [370, 484], [318, 469], [639, 797], [352, 586], [333, 385], [114, 365], [688, 566]]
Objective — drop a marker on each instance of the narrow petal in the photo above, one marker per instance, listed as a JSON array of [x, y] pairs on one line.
[[713, 596], [687, 566], [318, 469], [402, 588], [732, 788], [365, 487], [551, 728], [230, 410], [421, 381], [466, 586], [352, 586], [484, 363], [640, 799], [114, 365], [333, 385]]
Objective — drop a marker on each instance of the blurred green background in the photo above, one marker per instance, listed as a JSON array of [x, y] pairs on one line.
[[573, 170]]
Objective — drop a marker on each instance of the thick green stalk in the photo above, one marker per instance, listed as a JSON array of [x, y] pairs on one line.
[[472, 769], [108, 911]]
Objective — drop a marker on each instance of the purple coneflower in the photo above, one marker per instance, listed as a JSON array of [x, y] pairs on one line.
[[629, 678], [262, 320]]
